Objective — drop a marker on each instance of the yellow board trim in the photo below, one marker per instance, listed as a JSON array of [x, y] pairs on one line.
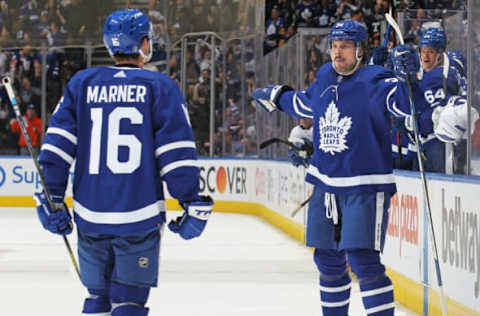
[[407, 292]]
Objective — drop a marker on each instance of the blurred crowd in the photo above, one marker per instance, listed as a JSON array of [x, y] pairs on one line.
[[222, 74]]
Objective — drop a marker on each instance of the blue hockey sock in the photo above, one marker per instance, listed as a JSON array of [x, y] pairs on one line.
[[376, 288], [128, 300], [98, 303], [129, 310], [335, 294], [377, 295]]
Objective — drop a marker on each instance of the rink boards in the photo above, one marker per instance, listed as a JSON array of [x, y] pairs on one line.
[[273, 189]]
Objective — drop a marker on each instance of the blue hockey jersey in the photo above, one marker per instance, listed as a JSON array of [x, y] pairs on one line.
[[351, 127], [434, 94], [127, 129]]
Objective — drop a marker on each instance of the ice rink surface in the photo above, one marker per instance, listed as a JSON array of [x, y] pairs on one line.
[[239, 266]]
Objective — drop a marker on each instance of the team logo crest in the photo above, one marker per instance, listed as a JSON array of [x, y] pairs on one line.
[[333, 130], [143, 262]]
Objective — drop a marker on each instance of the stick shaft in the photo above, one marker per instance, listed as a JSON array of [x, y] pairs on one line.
[[11, 95], [395, 26], [295, 211]]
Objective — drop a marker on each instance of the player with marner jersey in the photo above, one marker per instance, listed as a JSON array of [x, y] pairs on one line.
[[351, 167], [128, 131]]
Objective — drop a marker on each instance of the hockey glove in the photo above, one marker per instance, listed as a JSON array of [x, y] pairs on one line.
[[192, 223], [57, 221], [302, 154], [406, 62], [379, 55], [267, 97]]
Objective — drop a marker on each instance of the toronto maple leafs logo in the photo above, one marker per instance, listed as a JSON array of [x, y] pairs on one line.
[[333, 130]]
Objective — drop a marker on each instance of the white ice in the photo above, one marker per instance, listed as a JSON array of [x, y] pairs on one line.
[[240, 266]]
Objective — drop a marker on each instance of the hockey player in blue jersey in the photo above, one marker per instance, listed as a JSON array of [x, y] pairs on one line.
[[438, 81], [351, 168], [128, 131]]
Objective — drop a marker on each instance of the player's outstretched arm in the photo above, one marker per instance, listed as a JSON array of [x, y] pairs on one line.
[[284, 98], [267, 98]]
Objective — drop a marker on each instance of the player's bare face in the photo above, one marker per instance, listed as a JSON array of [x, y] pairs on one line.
[[429, 57], [343, 57]]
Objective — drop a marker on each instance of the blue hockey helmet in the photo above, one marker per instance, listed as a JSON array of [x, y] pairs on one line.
[[124, 31], [348, 30], [434, 37], [458, 60]]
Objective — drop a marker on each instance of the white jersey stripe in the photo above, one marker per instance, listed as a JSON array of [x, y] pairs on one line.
[[351, 181], [335, 304], [54, 149], [178, 164], [175, 145], [380, 199], [302, 105], [335, 289], [297, 110], [59, 131], [377, 291], [133, 216], [380, 308], [393, 108]]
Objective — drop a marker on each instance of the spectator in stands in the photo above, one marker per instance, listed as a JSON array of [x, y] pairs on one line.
[[29, 94], [326, 13], [306, 14], [345, 10], [34, 130], [287, 10], [54, 36], [21, 63], [76, 21], [41, 27], [272, 27]]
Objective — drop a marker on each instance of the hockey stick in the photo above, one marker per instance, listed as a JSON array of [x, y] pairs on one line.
[[299, 207], [11, 95], [274, 140], [387, 31], [395, 26]]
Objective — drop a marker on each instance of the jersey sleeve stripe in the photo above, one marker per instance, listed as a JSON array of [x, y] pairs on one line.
[[178, 164], [391, 104], [175, 145], [302, 105], [68, 159], [308, 113], [133, 216], [59, 131]]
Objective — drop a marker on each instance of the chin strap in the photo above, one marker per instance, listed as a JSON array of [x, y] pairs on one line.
[[146, 58]]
